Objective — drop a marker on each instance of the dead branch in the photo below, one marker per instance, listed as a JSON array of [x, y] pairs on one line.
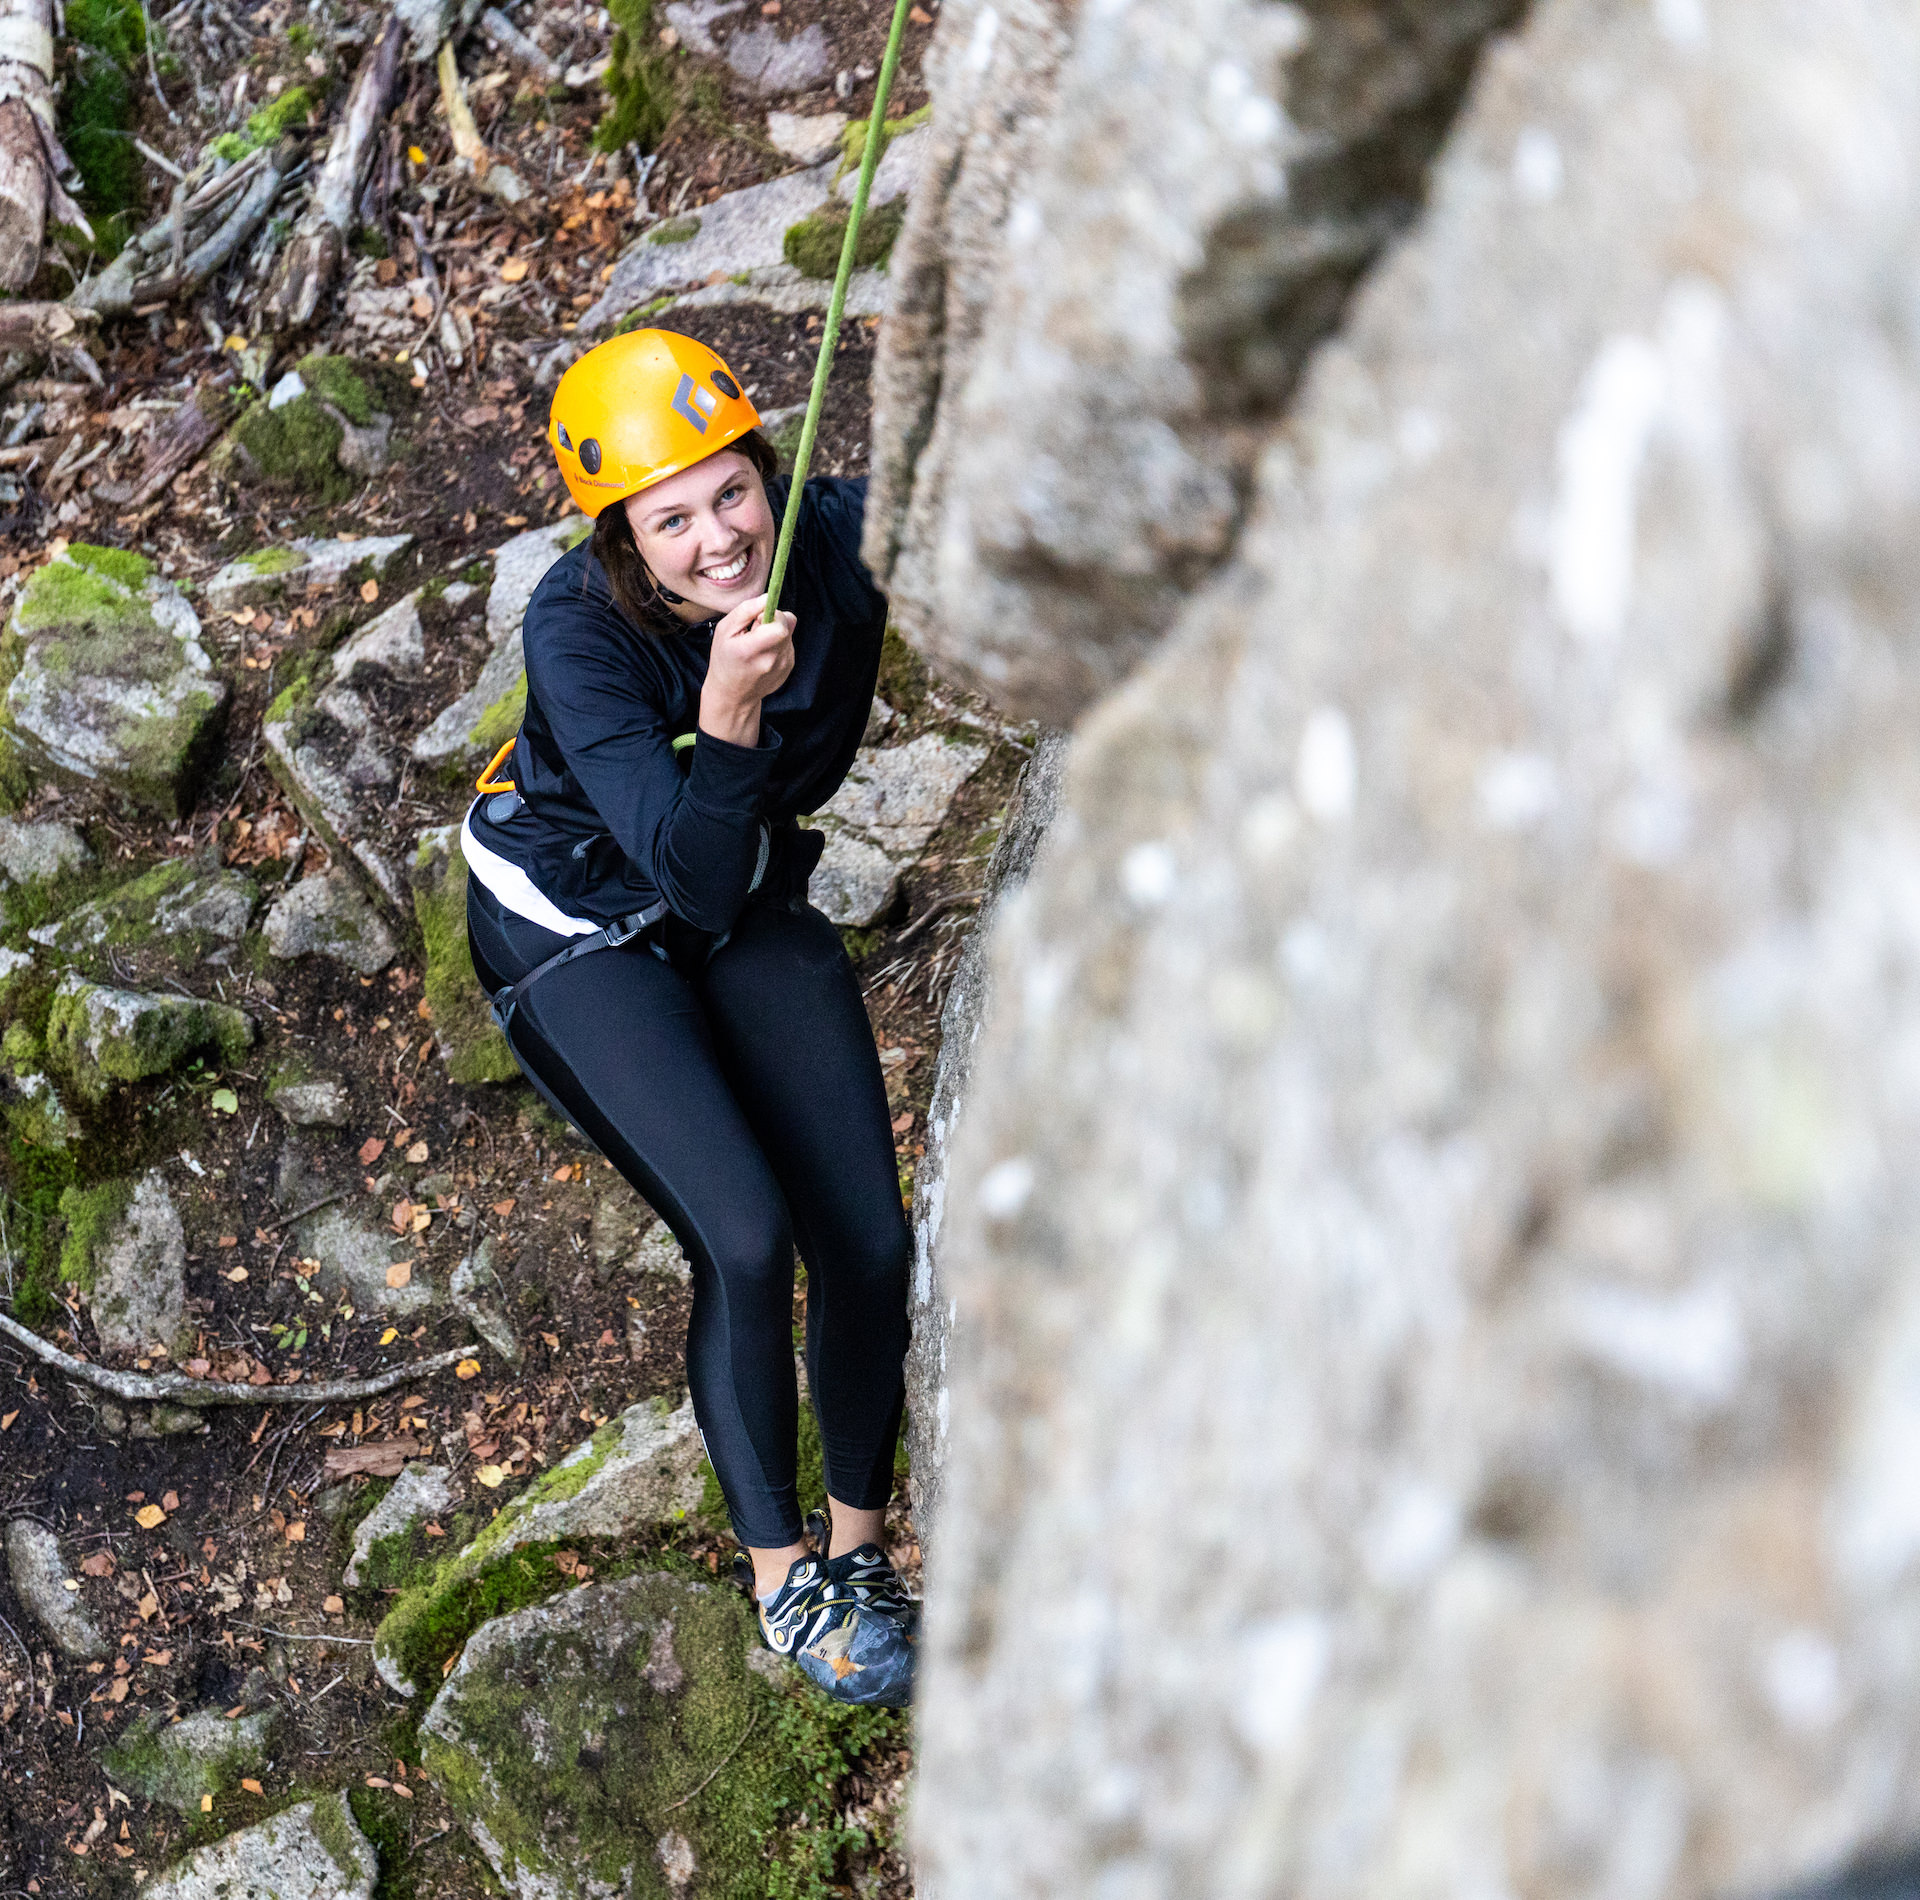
[[175, 1388], [192, 428], [318, 246], [36, 327], [518, 48], [32, 161], [219, 213]]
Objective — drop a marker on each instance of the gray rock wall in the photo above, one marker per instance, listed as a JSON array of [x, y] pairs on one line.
[[1030, 811], [1134, 223], [1433, 1401]]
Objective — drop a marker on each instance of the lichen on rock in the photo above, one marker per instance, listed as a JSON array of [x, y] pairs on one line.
[[109, 683], [639, 1470], [194, 904], [204, 1753], [469, 1040], [619, 1738], [99, 1036]]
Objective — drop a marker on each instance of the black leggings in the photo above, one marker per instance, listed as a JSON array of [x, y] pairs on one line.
[[743, 1098]]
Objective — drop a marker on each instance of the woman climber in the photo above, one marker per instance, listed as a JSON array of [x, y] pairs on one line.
[[638, 909]]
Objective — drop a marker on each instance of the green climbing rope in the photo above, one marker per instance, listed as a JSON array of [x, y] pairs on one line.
[[830, 334]]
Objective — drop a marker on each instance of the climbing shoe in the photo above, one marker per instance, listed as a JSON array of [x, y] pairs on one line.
[[867, 1576], [802, 1610], [851, 1653]]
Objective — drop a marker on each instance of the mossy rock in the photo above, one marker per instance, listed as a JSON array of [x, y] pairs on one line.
[[192, 906], [107, 681], [463, 1024], [633, 1737], [813, 245], [323, 443], [636, 1473], [178, 1763], [99, 1036]]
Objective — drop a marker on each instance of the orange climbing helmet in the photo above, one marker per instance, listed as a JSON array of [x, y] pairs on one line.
[[639, 408]]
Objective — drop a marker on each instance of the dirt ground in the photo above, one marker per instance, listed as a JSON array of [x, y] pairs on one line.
[[242, 1500]]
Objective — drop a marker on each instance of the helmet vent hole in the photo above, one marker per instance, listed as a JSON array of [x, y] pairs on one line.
[[725, 384], [566, 441], [590, 456]]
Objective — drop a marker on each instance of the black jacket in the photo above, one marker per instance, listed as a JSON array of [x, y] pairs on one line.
[[613, 818]]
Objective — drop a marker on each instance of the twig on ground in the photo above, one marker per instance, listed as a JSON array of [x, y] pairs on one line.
[[312, 1207], [955, 900], [753, 1722], [175, 1388]]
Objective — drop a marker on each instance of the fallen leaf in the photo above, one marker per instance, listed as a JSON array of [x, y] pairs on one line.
[[149, 1517], [169, 1500], [503, 1208], [553, 1341], [401, 1788], [370, 589], [297, 1531], [467, 1369], [390, 1335], [235, 1274], [564, 1172], [7, 1419], [251, 1786], [416, 154], [371, 1150], [225, 1101], [333, 1606], [422, 1219], [417, 1153], [378, 1781], [158, 1657], [228, 1240], [384, 1460], [206, 1804], [400, 1273], [492, 1476], [100, 1564], [919, 16], [513, 270], [402, 1215], [148, 1606]]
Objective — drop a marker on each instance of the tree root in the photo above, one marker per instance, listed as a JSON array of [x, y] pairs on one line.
[[315, 252], [175, 1388]]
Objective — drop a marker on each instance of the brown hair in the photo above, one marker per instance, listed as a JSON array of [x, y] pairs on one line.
[[637, 593]]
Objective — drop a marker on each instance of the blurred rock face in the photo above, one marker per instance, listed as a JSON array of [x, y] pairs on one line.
[[1134, 223], [1435, 1402]]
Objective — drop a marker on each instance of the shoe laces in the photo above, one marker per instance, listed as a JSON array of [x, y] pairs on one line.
[[805, 1607], [873, 1582]]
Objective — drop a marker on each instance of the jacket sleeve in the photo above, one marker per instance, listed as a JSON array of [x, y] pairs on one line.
[[696, 838]]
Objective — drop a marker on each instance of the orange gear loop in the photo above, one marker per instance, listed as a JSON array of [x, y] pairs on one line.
[[639, 408], [486, 782]]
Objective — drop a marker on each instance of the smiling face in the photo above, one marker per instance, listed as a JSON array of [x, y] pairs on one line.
[[707, 534]]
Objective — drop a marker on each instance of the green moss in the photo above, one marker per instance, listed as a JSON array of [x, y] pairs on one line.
[[853, 137], [643, 82], [861, 943], [91, 1039], [91, 1214], [339, 380], [813, 245], [904, 681], [749, 1770], [119, 564], [274, 560], [105, 43], [579, 532], [278, 116], [74, 596], [461, 1017], [477, 573], [675, 231], [287, 702], [21, 1047], [36, 1179], [502, 719], [296, 446], [383, 1818], [332, 1830], [786, 439]]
